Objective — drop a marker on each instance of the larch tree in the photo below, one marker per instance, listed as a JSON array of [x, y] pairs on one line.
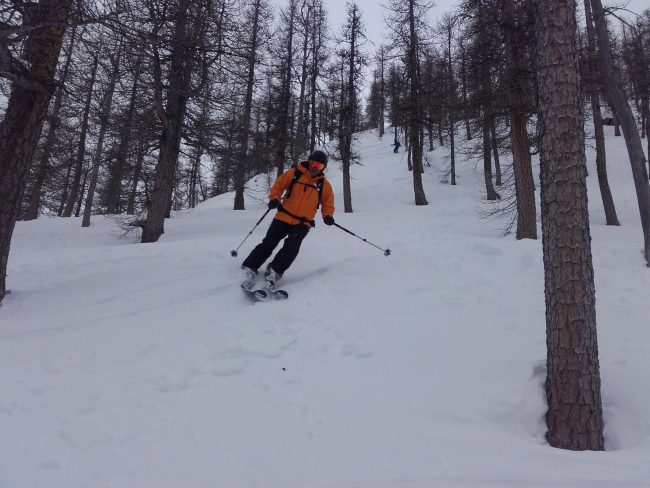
[[352, 62], [189, 27], [285, 70], [75, 191], [41, 168], [519, 93], [104, 115], [407, 21], [30, 65], [257, 14]]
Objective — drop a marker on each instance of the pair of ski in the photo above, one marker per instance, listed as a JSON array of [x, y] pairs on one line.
[[263, 294]]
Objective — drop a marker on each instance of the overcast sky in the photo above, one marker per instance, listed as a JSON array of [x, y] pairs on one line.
[[373, 14]]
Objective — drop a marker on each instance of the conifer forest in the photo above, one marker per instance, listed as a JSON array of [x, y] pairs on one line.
[[136, 110]]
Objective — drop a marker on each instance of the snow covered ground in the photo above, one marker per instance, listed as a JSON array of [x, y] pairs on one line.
[[144, 366]]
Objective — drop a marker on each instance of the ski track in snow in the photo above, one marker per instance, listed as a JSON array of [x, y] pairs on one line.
[[128, 365]]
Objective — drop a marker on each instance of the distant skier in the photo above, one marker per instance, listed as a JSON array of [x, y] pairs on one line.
[[397, 145], [306, 189]]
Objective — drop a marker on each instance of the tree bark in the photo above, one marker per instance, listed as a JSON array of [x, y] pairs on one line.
[[23, 119], [574, 417]]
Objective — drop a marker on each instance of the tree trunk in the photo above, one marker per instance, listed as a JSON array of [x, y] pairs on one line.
[[382, 92], [592, 88], [195, 176], [451, 107], [633, 142], [285, 103], [487, 160], [50, 139], [242, 167], [180, 77], [130, 208], [468, 128], [524, 182], [495, 150], [486, 95], [415, 109], [316, 41], [521, 161], [64, 193], [301, 139], [645, 114], [114, 197], [348, 126], [26, 110], [105, 113], [574, 416], [82, 190], [81, 148]]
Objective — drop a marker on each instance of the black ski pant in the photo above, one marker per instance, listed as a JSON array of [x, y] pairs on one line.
[[278, 230]]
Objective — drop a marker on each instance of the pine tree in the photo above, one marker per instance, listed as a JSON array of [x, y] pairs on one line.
[[574, 417]]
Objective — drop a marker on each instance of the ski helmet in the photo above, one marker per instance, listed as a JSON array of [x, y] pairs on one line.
[[319, 156]]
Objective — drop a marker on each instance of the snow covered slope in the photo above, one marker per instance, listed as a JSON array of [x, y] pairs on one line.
[[144, 366]]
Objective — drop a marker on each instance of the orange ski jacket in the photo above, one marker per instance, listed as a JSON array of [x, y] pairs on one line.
[[303, 200]]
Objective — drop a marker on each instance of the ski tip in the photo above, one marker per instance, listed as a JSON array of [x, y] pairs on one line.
[[281, 294], [257, 294], [260, 294]]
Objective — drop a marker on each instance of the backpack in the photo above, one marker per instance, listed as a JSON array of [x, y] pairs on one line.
[[296, 176]]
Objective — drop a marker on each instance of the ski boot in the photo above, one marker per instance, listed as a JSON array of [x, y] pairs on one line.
[[248, 278]]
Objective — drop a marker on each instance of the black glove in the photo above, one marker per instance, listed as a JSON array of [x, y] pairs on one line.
[[328, 219], [274, 203]]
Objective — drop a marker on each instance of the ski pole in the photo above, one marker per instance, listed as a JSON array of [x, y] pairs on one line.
[[233, 253], [386, 251]]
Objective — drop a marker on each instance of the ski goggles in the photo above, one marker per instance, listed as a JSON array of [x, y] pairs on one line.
[[316, 166]]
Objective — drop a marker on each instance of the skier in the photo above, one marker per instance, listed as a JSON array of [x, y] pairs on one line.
[[397, 145], [306, 188]]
